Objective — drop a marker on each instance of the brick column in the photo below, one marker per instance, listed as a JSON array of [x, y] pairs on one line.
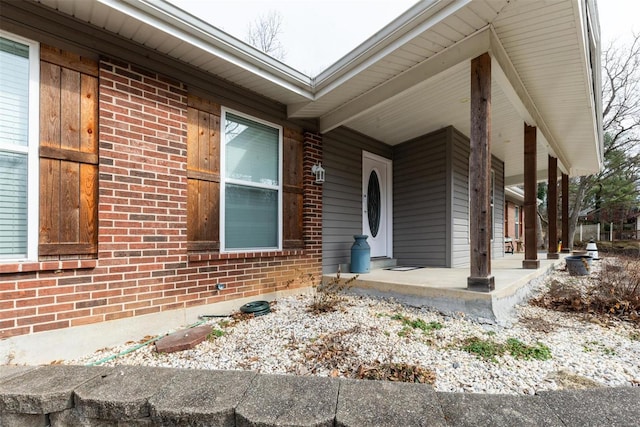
[[312, 205]]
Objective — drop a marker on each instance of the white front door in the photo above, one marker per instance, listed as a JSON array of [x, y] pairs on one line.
[[376, 204]]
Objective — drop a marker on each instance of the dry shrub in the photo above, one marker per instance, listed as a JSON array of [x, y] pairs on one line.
[[330, 352], [399, 372], [329, 295], [618, 291], [613, 293]]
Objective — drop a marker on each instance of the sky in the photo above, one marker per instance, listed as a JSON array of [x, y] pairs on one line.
[[317, 33]]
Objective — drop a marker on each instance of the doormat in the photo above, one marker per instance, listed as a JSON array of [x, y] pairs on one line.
[[403, 268]]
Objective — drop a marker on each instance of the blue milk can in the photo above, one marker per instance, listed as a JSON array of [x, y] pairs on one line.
[[360, 254]]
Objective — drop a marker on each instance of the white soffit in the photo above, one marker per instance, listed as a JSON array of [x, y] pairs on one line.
[[544, 42], [539, 64], [397, 87], [538, 52]]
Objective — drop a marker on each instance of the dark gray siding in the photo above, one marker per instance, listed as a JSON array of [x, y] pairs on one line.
[[342, 198], [460, 149], [497, 250], [430, 198], [460, 203], [420, 194]]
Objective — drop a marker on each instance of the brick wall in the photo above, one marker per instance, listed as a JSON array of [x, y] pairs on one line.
[[143, 265], [510, 226]]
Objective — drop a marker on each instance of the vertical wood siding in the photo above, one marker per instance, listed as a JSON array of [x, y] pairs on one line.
[[68, 154], [293, 189], [342, 198], [420, 208], [203, 174]]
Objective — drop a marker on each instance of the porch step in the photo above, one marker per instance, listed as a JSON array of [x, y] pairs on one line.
[[376, 264]]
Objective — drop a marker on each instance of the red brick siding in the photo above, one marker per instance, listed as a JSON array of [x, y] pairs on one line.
[[143, 265], [510, 212]]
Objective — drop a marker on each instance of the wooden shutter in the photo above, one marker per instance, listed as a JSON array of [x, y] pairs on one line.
[[292, 189], [68, 154], [203, 175]]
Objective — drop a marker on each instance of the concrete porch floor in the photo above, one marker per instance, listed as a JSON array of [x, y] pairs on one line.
[[444, 289]]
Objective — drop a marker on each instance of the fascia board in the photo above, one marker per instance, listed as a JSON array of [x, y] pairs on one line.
[[581, 11], [542, 175], [464, 50], [514, 194], [174, 21]]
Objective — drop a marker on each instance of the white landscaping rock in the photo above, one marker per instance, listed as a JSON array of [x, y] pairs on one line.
[[279, 342]]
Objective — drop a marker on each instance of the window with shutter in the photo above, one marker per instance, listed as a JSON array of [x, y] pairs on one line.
[[18, 148], [251, 184], [261, 193]]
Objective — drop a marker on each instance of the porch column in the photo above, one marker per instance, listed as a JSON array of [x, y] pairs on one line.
[[552, 208], [565, 214], [480, 278], [530, 196]]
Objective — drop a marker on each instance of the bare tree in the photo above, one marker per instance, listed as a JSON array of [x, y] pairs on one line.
[[621, 126], [621, 95], [264, 34]]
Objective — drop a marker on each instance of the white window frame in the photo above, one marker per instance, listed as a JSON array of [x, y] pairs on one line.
[[31, 150], [517, 222], [224, 181]]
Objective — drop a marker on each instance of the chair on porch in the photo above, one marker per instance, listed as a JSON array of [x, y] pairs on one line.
[[508, 245]]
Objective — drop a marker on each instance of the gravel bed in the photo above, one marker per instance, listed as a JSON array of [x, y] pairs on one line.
[[363, 332]]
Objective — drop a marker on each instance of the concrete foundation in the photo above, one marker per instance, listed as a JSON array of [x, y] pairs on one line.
[[445, 289], [72, 343]]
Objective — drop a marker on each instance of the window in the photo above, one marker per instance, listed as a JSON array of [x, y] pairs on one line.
[[492, 203], [506, 219], [517, 222], [19, 115], [251, 188]]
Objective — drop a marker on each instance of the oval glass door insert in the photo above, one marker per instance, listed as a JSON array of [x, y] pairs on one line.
[[373, 203]]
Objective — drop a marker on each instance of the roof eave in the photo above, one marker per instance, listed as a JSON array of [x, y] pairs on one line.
[[172, 20], [406, 27]]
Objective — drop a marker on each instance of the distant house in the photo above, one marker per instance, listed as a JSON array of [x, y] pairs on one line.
[[153, 165], [625, 222]]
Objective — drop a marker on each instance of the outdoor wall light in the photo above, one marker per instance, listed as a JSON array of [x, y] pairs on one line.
[[318, 171]]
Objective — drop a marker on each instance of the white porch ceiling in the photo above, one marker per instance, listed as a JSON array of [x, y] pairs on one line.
[[412, 77]]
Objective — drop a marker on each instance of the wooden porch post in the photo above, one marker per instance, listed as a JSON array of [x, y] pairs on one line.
[[480, 278], [552, 208], [565, 214], [530, 197]]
